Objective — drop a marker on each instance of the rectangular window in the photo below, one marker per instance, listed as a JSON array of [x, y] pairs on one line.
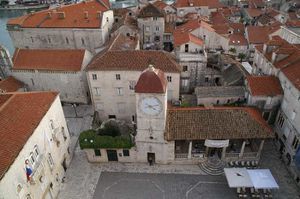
[[32, 82], [280, 120], [169, 78], [97, 152], [97, 91], [50, 160], [157, 28], [206, 79], [94, 76], [118, 77], [155, 18], [119, 91], [147, 28], [125, 152], [132, 85], [184, 68], [36, 151]]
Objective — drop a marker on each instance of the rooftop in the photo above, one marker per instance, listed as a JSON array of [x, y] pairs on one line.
[[150, 11], [185, 37], [135, 60], [219, 91], [199, 123], [264, 85], [198, 3], [86, 14], [48, 59], [10, 84], [20, 115], [151, 80], [258, 34], [122, 42]]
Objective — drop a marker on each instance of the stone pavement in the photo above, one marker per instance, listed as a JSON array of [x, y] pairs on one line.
[[270, 159]]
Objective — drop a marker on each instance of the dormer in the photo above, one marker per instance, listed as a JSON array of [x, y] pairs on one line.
[[61, 15]]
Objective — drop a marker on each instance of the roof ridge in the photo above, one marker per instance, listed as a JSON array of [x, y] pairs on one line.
[[7, 101]]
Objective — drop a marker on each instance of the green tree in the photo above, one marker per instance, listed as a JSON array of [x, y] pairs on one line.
[[232, 50], [241, 56]]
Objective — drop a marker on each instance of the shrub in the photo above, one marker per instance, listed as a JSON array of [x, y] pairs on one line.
[[90, 139]]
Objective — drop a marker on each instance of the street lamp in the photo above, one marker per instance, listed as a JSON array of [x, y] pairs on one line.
[[74, 106]]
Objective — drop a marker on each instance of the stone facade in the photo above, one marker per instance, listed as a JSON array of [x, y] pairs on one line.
[[72, 85], [112, 97], [151, 32], [291, 35], [91, 39], [51, 139]]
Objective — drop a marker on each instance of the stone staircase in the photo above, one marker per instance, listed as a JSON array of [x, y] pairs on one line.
[[213, 166]]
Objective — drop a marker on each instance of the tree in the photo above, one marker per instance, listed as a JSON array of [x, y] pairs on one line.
[[241, 56], [232, 50]]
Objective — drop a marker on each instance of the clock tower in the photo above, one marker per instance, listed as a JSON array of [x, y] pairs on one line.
[[151, 111]]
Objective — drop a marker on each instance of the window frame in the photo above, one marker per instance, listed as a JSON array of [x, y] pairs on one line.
[[126, 153], [94, 76]]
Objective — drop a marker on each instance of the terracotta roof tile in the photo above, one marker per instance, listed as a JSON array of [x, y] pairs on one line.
[[198, 3], [253, 12], [151, 81], [237, 39], [216, 123], [122, 42], [292, 72], [136, 60], [10, 84], [257, 34], [264, 85], [191, 25], [74, 16], [182, 38], [20, 115], [47, 59], [160, 4], [150, 11]]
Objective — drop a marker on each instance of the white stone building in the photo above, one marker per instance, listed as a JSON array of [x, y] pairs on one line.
[[290, 34], [151, 23], [84, 25], [54, 70], [191, 56], [264, 92], [112, 77], [33, 130], [167, 134]]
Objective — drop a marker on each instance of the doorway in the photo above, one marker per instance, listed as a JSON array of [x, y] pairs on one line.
[[151, 158], [112, 155], [215, 152]]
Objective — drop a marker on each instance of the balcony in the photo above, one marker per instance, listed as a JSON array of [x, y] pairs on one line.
[[38, 170]]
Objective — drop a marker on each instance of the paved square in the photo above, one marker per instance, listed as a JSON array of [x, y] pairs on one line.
[[161, 186]]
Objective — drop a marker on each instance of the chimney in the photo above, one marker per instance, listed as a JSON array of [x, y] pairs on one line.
[[49, 15], [99, 14], [61, 15], [86, 14]]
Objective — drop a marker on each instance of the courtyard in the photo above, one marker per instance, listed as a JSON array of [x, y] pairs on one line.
[[161, 186]]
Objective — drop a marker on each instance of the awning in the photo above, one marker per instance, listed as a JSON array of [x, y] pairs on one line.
[[262, 179], [257, 178], [238, 177]]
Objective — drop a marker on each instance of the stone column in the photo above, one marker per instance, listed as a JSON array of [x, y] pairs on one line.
[[206, 151], [260, 148], [223, 152], [242, 149], [190, 150]]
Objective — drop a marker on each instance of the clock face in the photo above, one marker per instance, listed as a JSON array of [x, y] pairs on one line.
[[150, 105]]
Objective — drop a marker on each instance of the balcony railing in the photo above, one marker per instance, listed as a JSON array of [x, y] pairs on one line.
[[37, 170], [181, 155], [192, 56]]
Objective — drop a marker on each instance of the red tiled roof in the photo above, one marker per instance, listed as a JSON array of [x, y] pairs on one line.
[[193, 25], [237, 27], [264, 85], [151, 81], [199, 123], [253, 12], [10, 84], [182, 38], [47, 59], [198, 3], [237, 39], [20, 115], [74, 16], [218, 18], [150, 11], [293, 23], [292, 72], [135, 60], [160, 4], [257, 34], [222, 29]]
